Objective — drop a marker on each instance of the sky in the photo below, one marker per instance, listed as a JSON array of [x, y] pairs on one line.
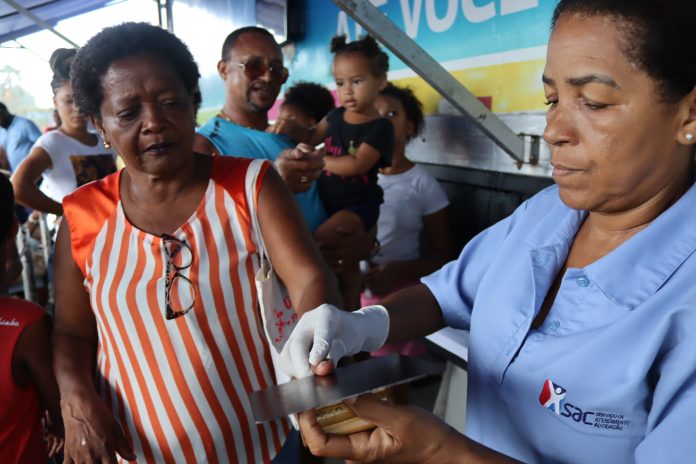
[[198, 28]]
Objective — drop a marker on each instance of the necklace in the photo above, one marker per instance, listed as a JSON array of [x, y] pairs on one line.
[[226, 117]]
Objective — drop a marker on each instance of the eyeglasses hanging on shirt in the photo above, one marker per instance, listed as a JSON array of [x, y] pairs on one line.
[[180, 294]]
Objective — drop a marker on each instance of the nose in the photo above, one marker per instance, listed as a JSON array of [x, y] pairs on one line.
[[154, 120], [266, 74], [559, 128]]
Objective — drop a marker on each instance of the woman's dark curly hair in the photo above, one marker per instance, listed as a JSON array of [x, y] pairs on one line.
[[412, 106], [368, 46], [124, 41], [313, 100], [61, 60], [657, 33]]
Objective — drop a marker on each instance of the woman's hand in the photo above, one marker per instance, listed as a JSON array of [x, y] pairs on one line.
[[92, 434], [327, 332], [404, 434]]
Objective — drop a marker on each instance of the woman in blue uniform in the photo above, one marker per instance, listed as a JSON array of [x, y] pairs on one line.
[[582, 304]]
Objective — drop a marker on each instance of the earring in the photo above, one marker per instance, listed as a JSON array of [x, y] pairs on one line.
[[689, 137], [105, 141]]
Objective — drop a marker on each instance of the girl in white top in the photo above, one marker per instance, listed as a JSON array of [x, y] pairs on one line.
[[413, 201], [67, 157]]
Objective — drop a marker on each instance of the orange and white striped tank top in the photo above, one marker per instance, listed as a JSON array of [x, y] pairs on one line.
[[179, 387]]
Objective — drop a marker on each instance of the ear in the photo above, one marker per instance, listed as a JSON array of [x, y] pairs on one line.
[[99, 125], [410, 129], [222, 69], [687, 131], [55, 102]]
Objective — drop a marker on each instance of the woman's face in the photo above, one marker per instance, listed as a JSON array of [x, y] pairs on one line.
[[614, 144], [70, 117], [147, 115], [392, 109]]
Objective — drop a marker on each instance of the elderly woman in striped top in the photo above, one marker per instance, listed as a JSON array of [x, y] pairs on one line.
[[155, 276]]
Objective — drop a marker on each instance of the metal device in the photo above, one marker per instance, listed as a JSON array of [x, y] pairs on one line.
[[315, 391]]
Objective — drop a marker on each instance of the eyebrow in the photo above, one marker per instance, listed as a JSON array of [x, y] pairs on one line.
[[584, 80], [262, 58]]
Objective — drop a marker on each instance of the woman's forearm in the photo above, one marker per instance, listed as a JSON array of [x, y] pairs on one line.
[[318, 287], [408, 272], [74, 358], [412, 304], [31, 196]]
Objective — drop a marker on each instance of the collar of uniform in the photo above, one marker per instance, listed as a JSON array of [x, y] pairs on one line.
[[557, 227], [641, 265]]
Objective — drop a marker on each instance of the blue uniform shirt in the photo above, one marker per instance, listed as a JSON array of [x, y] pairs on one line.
[[235, 140], [610, 376], [18, 139]]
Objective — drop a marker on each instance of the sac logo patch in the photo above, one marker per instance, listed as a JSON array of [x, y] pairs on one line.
[[553, 397]]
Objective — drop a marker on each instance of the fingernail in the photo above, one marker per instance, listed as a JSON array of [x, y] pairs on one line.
[[351, 401]]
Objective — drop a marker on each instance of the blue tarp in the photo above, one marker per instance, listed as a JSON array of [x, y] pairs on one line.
[[14, 24]]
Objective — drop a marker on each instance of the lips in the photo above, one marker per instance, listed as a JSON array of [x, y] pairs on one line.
[[262, 90], [561, 170], [158, 148]]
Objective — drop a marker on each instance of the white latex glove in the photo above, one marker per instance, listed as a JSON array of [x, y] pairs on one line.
[[326, 332]]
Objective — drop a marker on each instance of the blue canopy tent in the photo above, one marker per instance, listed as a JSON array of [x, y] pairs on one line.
[[19, 17]]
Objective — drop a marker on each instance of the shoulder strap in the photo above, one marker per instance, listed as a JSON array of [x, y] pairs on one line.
[[254, 180]]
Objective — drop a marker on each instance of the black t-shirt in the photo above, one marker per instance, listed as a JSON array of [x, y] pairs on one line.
[[343, 139]]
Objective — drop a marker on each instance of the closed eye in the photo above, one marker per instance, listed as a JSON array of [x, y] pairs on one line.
[[170, 102], [126, 115], [594, 105]]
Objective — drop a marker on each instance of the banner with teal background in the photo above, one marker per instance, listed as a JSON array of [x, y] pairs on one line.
[[446, 29]]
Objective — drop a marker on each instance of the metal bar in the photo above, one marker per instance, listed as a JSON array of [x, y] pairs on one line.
[[20, 9], [46, 249], [28, 276], [159, 13], [382, 28], [170, 15]]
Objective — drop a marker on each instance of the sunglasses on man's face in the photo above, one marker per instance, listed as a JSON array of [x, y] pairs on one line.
[[256, 67]]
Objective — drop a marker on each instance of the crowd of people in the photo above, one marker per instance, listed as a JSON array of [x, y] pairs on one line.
[[580, 305]]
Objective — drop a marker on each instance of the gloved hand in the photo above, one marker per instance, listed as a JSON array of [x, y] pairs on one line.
[[329, 333]]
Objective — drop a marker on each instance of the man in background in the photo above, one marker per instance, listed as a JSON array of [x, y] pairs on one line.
[[17, 136], [253, 74]]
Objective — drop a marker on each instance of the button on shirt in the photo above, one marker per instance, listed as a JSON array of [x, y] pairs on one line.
[[610, 376]]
